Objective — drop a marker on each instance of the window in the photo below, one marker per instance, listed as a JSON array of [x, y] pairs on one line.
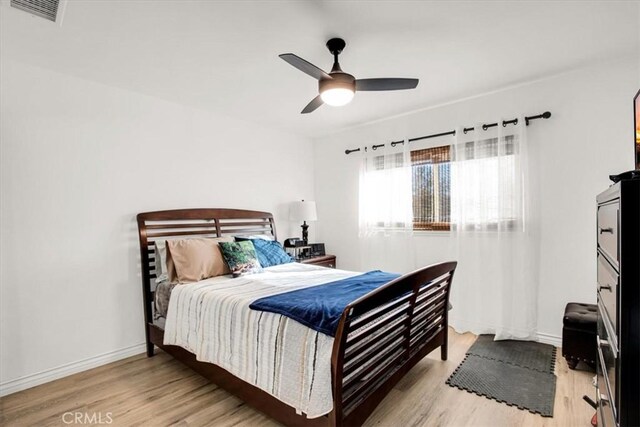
[[476, 185], [431, 184]]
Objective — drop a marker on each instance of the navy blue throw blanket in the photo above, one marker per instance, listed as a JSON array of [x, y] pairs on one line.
[[320, 307]]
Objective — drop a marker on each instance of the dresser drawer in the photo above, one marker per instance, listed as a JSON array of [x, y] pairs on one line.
[[608, 289], [607, 359], [606, 370], [605, 414], [608, 231], [606, 406]]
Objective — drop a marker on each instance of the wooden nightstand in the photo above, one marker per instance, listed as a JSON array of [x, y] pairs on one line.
[[324, 261]]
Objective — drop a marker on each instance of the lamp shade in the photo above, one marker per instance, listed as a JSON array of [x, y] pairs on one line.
[[303, 211], [337, 97]]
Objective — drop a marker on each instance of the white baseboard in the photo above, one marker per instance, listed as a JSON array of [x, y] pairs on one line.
[[476, 328], [32, 380], [554, 340]]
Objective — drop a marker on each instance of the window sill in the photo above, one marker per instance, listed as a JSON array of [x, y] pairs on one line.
[[430, 233], [420, 233], [444, 233]]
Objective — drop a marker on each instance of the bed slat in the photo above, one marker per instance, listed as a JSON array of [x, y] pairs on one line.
[[178, 233], [207, 224]]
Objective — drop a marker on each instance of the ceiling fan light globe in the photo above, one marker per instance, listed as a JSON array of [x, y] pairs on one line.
[[337, 97]]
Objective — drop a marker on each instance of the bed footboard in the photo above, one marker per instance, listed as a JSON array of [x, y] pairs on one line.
[[383, 334]]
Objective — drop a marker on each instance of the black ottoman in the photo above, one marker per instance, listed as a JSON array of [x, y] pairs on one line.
[[579, 334]]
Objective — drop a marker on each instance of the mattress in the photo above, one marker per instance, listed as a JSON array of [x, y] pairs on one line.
[[288, 360]]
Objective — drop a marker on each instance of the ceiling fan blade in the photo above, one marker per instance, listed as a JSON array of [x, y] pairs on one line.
[[313, 105], [305, 66], [385, 84]]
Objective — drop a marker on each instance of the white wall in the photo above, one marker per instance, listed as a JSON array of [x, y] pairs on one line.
[[588, 137], [79, 160]]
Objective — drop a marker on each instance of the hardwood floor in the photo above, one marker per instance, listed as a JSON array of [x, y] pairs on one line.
[[160, 391]]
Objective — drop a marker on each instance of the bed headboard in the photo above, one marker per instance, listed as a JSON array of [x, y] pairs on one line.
[[159, 225]]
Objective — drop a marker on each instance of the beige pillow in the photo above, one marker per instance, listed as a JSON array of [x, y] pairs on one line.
[[192, 260], [164, 266]]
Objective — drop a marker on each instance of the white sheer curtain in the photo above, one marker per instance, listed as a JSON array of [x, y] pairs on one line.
[[385, 190], [385, 209], [493, 218]]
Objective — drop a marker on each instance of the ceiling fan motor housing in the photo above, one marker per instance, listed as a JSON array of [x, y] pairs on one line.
[[339, 81]]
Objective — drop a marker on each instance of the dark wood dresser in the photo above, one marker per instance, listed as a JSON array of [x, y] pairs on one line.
[[618, 340]]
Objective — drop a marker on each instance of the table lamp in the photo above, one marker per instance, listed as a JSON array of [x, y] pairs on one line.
[[303, 211]]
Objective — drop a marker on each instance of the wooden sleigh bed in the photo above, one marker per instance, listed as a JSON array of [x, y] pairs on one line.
[[380, 337]]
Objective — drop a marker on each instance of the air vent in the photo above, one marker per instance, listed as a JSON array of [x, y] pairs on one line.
[[47, 9]]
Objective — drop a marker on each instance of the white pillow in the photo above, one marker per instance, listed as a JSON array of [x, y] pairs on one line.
[[161, 260], [259, 236]]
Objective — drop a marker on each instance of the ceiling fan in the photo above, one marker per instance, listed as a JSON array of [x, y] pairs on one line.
[[337, 87]]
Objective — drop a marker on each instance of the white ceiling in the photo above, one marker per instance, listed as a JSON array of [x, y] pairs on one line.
[[223, 56]]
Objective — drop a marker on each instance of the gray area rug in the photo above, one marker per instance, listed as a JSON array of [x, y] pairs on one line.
[[518, 373]]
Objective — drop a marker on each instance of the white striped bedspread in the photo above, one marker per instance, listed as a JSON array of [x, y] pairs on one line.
[[288, 360]]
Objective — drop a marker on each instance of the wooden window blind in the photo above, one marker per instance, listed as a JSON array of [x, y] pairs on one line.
[[431, 181]]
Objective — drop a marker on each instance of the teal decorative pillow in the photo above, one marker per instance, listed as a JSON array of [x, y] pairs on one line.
[[240, 257]]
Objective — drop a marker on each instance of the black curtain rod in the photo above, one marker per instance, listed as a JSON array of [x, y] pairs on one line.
[[544, 115]]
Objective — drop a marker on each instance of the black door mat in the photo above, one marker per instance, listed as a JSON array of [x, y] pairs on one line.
[[524, 378]]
